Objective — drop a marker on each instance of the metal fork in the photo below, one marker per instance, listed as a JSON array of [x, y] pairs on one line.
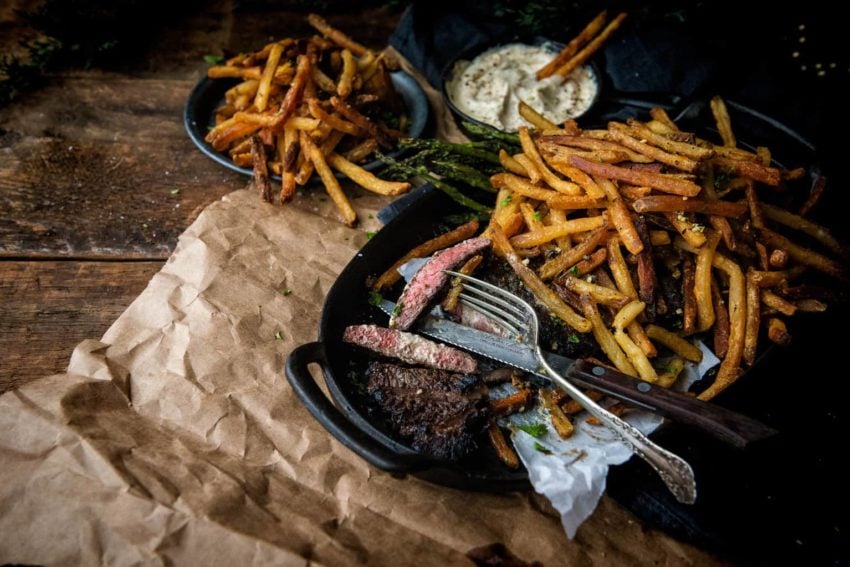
[[520, 319]]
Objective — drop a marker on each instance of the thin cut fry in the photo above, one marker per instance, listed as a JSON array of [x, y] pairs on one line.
[[802, 254], [619, 269], [330, 182], [636, 177], [591, 47], [621, 134], [560, 422], [670, 203], [724, 123], [535, 118], [620, 216], [518, 401], [568, 258], [599, 293], [721, 322], [504, 451], [335, 35], [548, 233], [366, 179], [605, 339], [778, 303], [510, 164], [671, 372], [346, 78], [777, 332], [702, 283], [264, 87], [674, 342], [555, 182], [450, 302], [585, 35]]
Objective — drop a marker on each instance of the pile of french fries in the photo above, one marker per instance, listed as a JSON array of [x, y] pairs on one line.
[[585, 216], [307, 105]]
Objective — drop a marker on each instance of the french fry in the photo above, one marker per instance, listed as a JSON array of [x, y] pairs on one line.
[[346, 78], [569, 50], [693, 233], [777, 331], [749, 169], [669, 203], [702, 283], [562, 146], [802, 254], [816, 231], [721, 322], [543, 294], [531, 217], [288, 158], [427, 248], [293, 96], [548, 233], [572, 407], [815, 195], [636, 356], [598, 293], [261, 172], [778, 303], [605, 339], [535, 118], [591, 48], [751, 331], [660, 116], [504, 451], [674, 342], [724, 123], [264, 86], [671, 372], [568, 258], [659, 237], [336, 36], [619, 269], [560, 422], [530, 169], [620, 133], [518, 401], [555, 182], [642, 132], [511, 165], [627, 314], [636, 177], [620, 216], [689, 300], [331, 120], [450, 302], [589, 264], [383, 137], [361, 151], [366, 179], [330, 182]]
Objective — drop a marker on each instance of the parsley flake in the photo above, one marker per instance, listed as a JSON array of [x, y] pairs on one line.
[[213, 59], [574, 270], [536, 215], [375, 298], [286, 292], [397, 309], [536, 430], [371, 234], [506, 201], [573, 338], [542, 449]]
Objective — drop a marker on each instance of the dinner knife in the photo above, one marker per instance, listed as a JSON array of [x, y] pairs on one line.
[[726, 425]]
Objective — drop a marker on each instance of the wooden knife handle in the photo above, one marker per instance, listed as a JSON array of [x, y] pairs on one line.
[[731, 427]]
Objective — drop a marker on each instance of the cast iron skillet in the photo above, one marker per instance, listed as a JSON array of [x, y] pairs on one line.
[[349, 419]]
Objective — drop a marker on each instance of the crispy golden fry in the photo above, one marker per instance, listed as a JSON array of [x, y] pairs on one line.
[[531, 170], [508, 405], [468, 268], [802, 254], [599, 293], [620, 216], [730, 368], [636, 177], [806, 226], [751, 332], [721, 322], [620, 133], [330, 182], [336, 36], [535, 118], [633, 192], [643, 132], [366, 179], [589, 264], [555, 182], [598, 149], [671, 372], [689, 300], [585, 181], [302, 73], [569, 51], [660, 115], [693, 233], [427, 248], [724, 123], [591, 48], [636, 356], [504, 451], [548, 233], [331, 120], [619, 269], [749, 169], [659, 237], [778, 303], [512, 165], [522, 187], [289, 154], [346, 78], [560, 422], [572, 407], [674, 342], [361, 151], [264, 87], [261, 172], [605, 339], [702, 283], [815, 195], [719, 223], [777, 332], [627, 314], [568, 258], [542, 292], [383, 137], [670, 203]]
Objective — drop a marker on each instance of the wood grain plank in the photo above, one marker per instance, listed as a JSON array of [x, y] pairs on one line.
[[48, 307]]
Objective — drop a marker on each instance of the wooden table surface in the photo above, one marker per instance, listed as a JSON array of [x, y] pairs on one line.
[[98, 178]]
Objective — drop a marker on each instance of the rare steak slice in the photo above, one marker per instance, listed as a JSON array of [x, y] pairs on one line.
[[440, 413], [409, 348], [427, 282]]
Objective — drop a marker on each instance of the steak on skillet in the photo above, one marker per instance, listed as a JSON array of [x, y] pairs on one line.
[[440, 413]]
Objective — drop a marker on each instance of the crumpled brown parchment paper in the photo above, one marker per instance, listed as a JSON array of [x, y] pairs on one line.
[[176, 438]]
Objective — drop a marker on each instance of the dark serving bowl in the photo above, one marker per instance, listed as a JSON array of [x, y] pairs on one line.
[[608, 104], [349, 417], [208, 95]]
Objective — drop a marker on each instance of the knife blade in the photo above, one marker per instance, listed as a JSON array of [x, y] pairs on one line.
[[729, 426]]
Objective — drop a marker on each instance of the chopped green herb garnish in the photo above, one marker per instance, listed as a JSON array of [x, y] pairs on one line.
[[397, 309], [506, 201], [286, 292], [213, 59], [542, 449], [375, 298], [536, 215], [574, 270], [536, 430], [573, 338], [278, 336], [370, 234]]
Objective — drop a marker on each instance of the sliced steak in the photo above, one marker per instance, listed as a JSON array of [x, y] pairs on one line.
[[409, 348], [440, 413], [427, 282]]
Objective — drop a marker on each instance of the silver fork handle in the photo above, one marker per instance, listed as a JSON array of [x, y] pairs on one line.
[[673, 470]]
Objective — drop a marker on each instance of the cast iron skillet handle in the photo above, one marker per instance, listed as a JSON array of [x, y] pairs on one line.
[[334, 421], [734, 428]]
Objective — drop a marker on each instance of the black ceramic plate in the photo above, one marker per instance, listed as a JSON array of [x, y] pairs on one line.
[[208, 95], [737, 489]]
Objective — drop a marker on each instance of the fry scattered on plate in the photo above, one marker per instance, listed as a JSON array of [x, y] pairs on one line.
[[306, 105]]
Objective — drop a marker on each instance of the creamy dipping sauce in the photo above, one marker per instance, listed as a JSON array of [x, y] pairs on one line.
[[490, 87]]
